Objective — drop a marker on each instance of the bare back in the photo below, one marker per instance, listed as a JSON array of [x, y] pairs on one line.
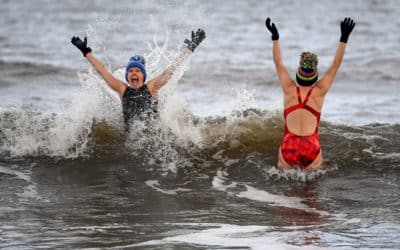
[[301, 121]]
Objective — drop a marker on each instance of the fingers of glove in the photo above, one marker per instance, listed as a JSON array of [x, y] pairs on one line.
[[268, 23], [352, 24], [77, 40], [274, 29], [202, 33], [197, 35], [348, 24]]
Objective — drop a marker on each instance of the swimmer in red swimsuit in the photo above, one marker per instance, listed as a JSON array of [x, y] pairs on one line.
[[301, 150], [300, 146]]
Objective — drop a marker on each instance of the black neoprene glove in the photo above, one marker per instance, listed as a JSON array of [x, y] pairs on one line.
[[346, 27], [197, 38], [81, 45], [272, 28]]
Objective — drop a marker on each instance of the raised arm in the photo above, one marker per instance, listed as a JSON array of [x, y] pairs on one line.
[[284, 77], [111, 81], [346, 27], [155, 84]]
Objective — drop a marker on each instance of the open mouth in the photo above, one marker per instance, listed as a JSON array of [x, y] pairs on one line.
[[134, 80]]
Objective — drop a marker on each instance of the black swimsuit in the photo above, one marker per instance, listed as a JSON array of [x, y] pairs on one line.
[[138, 104]]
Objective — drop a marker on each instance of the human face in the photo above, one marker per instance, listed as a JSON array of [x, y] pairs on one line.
[[135, 78]]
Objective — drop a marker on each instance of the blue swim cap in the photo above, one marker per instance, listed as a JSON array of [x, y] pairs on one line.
[[136, 61]]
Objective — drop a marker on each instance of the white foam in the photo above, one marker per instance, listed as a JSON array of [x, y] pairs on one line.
[[219, 180], [352, 221], [60, 131], [154, 184], [226, 235], [369, 138], [243, 99], [295, 173], [65, 131], [272, 199], [29, 191], [383, 156], [174, 113], [17, 174], [254, 194]]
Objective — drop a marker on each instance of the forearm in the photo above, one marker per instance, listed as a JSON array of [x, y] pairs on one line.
[[337, 60], [284, 78], [111, 81], [346, 27], [197, 37], [182, 56], [169, 71], [276, 53], [101, 69], [326, 82], [96, 63]]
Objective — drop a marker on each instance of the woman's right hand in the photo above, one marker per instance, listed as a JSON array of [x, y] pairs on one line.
[[346, 27]]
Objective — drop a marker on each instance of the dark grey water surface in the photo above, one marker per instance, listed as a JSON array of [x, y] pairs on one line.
[[204, 176]]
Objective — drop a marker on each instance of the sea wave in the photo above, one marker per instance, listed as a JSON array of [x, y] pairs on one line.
[[245, 138]]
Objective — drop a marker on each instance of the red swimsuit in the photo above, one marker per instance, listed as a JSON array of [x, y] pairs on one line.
[[301, 150]]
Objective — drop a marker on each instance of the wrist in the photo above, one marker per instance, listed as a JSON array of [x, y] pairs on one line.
[[191, 46], [344, 38], [86, 51], [275, 37], [187, 51]]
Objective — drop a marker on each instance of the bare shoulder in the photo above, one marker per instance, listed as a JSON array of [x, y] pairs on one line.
[[153, 87], [121, 90], [151, 84], [323, 85], [288, 86]]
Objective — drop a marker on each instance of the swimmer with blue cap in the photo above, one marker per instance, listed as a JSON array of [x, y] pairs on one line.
[[138, 98]]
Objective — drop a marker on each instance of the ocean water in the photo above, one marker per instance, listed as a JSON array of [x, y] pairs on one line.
[[204, 175]]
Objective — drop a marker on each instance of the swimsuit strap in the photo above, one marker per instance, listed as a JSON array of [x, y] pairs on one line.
[[308, 107], [307, 96], [298, 95], [289, 110], [313, 111], [302, 104]]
